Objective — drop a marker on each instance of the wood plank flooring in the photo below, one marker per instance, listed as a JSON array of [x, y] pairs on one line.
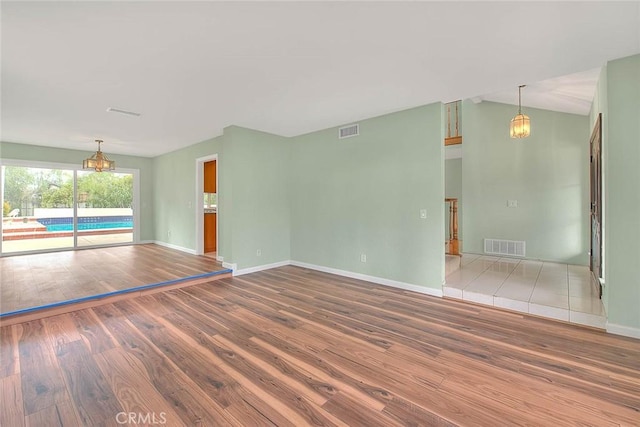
[[294, 347], [40, 279]]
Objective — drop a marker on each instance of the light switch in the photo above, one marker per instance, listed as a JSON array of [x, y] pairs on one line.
[[512, 203], [423, 213]]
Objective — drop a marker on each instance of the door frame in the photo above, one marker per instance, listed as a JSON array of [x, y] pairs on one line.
[[199, 208], [595, 200]]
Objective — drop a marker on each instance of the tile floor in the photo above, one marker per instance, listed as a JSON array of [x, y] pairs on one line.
[[548, 289]]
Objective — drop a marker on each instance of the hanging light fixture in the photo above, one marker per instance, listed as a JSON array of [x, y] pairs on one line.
[[521, 124], [99, 161]]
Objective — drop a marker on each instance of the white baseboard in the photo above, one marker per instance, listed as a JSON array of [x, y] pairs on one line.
[[379, 280], [176, 247], [219, 258], [626, 331], [260, 268], [232, 266], [373, 279]]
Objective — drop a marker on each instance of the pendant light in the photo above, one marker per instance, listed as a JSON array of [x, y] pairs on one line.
[[521, 124], [99, 161]]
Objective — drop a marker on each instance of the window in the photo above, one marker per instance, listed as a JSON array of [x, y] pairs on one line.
[[49, 208]]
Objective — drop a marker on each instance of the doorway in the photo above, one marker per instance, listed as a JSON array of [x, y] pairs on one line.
[[595, 262], [207, 213]]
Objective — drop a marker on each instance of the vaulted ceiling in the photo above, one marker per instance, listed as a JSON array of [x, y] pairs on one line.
[[192, 68]]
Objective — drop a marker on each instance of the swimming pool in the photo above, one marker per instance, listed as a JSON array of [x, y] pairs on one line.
[[87, 223], [90, 226]]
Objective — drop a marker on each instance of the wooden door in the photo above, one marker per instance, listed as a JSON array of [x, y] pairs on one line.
[[596, 201], [210, 232], [210, 184]]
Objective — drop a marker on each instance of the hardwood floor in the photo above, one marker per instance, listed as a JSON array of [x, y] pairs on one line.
[[41, 279], [293, 347]]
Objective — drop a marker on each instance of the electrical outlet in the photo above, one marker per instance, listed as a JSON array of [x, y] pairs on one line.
[[423, 213], [512, 203], [259, 252], [363, 258]]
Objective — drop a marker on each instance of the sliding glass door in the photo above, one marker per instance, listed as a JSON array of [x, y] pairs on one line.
[[56, 208], [33, 200], [105, 208]]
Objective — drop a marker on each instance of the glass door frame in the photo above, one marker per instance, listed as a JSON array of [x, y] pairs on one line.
[[75, 168]]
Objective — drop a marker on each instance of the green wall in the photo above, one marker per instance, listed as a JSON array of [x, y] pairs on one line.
[[547, 173], [259, 175], [363, 195], [622, 197], [57, 155], [324, 201], [320, 200], [253, 196], [453, 189], [175, 193]]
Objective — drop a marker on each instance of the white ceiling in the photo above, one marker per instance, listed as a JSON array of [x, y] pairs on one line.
[[572, 93], [193, 68]]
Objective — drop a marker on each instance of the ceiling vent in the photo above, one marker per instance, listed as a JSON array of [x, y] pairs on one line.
[[349, 131], [120, 111]]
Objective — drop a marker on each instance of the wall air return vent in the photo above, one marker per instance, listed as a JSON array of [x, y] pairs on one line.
[[349, 131], [504, 247]]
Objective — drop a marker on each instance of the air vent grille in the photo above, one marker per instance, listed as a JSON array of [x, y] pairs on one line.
[[504, 247], [118, 110], [349, 131]]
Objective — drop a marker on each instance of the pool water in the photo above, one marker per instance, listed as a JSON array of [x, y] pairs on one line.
[[90, 226]]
